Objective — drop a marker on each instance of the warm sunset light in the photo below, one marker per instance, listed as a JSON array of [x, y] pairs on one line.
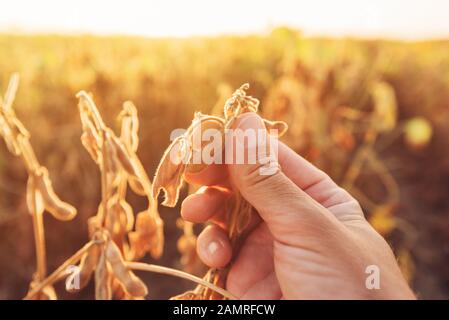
[[265, 150], [382, 18]]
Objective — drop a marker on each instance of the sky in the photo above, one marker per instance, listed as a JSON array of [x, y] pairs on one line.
[[405, 19]]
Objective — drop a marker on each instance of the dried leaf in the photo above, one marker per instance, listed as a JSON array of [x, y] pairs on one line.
[[148, 237], [276, 128]]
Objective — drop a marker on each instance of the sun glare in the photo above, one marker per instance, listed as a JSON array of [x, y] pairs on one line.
[[394, 18]]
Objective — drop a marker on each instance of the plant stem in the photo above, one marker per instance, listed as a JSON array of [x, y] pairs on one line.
[[104, 183], [39, 240], [180, 274], [52, 278]]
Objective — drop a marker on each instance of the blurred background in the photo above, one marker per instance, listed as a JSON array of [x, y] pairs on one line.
[[364, 88]]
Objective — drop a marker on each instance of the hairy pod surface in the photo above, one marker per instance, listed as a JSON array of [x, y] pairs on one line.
[[132, 284]]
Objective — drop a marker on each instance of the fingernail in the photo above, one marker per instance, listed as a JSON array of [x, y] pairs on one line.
[[213, 247]]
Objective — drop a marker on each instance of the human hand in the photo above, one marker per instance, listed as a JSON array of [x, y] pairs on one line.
[[310, 239]]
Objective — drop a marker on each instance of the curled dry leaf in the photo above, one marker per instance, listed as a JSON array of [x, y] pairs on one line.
[[239, 103], [132, 284], [276, 128], [149, 235]]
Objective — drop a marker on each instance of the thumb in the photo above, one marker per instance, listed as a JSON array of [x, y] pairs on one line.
[[255, 172]]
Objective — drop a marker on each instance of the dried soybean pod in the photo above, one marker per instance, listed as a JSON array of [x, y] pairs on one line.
[[123, 155], [210, 125], [10, 141], [88, 142], [139, 183], [150, 234], [130, 125], [10, 93], [102, 279], [19, 127], [120, 215], [276, 128], [58, 208], [169, 172], [90, 138], [132, 284], [126, 214], [137, 245], [157, 245], [109, 154], [87, 265]]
